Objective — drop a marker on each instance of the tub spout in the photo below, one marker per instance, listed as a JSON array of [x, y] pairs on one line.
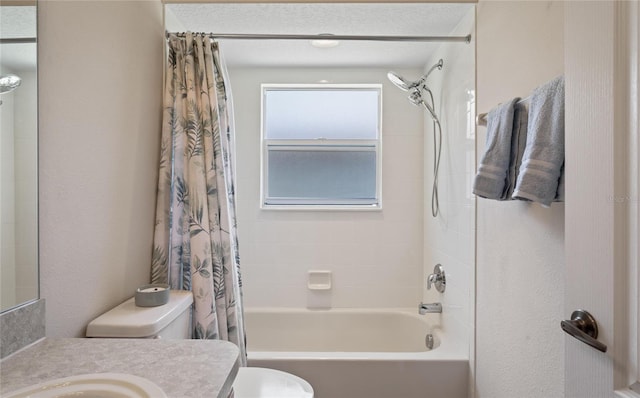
[[429, 308]]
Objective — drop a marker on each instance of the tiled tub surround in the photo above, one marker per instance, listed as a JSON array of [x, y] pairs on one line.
[[449, 239], [375, 256], [181, 368], [21, 326]]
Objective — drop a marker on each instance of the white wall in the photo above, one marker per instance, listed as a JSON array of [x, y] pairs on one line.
[[520, 246], [100, 113], [449, 239], [375, 257]]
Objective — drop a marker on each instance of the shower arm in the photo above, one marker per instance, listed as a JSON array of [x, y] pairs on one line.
[[437, 65], [420, 83]]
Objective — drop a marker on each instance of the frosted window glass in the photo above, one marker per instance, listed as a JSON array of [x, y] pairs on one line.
[[324, 174], [330, 114]]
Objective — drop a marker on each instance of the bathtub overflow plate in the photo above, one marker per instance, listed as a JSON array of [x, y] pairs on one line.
[[429, 341]]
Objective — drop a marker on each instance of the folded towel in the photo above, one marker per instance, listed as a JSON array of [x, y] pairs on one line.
[[544, 153], [493, 171], [518, 144]]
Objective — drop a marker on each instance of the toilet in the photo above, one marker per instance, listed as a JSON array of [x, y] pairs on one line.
[[173, 321]]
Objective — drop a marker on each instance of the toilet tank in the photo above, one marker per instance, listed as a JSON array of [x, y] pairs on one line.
[[169, 321]]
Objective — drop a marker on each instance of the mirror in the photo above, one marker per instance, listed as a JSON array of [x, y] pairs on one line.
[[18, 154]]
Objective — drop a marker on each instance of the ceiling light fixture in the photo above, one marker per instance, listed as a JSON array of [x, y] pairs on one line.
[[325, 43]]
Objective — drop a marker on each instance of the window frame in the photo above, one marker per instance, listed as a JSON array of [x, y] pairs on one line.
[[305, 144]]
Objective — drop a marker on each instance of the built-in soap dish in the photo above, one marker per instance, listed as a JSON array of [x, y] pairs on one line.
[[152, 295], [319, 280]]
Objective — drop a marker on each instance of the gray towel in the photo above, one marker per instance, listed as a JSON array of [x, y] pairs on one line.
[[492, 174], [560, 192], [544, 153], [518, 144]]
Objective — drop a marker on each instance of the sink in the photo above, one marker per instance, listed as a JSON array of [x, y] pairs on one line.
[[96, 385]]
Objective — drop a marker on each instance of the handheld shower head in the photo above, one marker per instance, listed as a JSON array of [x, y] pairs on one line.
[[415, 97], [9, 83], [417, 91]]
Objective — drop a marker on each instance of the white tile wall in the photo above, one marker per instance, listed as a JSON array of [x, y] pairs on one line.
[[375, 257], [449, 239]]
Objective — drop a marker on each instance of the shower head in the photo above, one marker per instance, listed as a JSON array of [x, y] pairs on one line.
[[400, 82], [9, 83], [420, 94], [405, 85]]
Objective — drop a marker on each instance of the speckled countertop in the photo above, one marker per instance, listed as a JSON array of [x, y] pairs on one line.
[[182, 368]]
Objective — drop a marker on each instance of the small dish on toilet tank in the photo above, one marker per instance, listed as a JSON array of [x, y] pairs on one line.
[[152, 295]]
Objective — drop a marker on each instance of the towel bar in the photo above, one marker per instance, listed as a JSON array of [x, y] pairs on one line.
[[481, 119]]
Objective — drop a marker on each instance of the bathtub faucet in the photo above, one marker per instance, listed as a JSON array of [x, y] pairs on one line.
[[429, 308]]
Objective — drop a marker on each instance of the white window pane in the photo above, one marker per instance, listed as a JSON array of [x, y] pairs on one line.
[[341, 175], [321, 113]]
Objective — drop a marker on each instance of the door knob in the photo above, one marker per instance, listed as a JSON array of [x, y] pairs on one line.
[[583, 327]]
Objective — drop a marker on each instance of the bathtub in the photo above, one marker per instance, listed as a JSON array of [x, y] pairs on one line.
[[359, 353]]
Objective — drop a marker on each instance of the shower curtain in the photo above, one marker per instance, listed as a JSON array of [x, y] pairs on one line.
[[195, 239]]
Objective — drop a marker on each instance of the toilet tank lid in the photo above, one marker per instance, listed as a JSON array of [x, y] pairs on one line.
[[130, 321]]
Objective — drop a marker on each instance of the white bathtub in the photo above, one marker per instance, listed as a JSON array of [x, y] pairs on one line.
[[359, 353]]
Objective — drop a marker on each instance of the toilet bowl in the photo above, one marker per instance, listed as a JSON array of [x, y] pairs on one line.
[[270, 383], [173, 321]]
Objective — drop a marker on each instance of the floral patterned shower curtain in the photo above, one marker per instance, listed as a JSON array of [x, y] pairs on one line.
[[195, 240]]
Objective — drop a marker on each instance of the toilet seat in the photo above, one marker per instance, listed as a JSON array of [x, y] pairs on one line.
[[269, 383]]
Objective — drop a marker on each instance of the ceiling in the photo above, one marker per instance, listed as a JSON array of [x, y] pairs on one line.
[[18, 22], [395, 19]]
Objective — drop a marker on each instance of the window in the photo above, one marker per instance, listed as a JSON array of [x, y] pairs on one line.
[[321, 146]]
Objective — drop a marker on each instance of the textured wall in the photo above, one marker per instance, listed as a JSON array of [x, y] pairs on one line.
[[520, 246], [100, 112], [375, 256]]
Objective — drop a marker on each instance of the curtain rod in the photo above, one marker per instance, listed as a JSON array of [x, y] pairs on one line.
[[18, 40], [242, 36]]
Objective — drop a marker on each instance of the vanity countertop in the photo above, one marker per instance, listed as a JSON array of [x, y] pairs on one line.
[[182, 368]]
